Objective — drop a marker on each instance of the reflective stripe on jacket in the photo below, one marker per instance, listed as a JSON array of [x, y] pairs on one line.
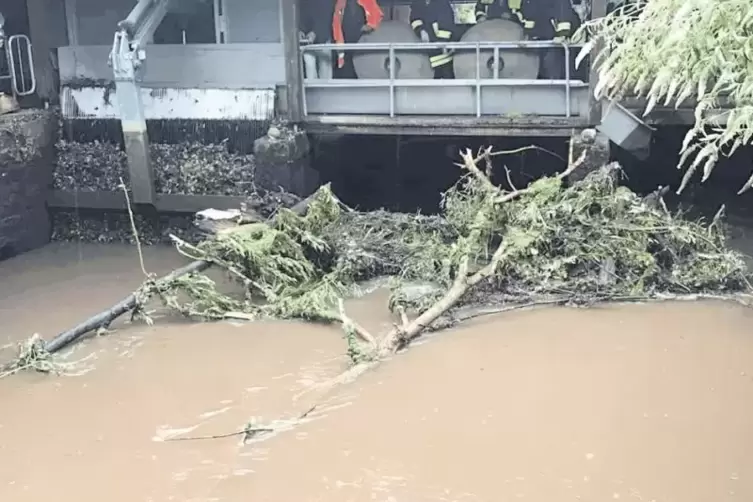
[[373, 17], [437, 19], [563, 19]]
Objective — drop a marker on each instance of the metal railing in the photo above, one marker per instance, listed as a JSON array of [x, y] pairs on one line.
[[17, 53], [392, 82]]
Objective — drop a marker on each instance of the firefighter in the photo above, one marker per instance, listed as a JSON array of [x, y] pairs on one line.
[[434, 21], [6, 87], [562, 18], [542, 20], [351, 19], [559, 23], [316, 28]]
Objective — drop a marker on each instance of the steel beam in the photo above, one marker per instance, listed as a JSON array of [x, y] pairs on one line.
[[136, 140], [289, 27], [444, 126], [114, 201], [71, 21], [127, 59], [598, 10]]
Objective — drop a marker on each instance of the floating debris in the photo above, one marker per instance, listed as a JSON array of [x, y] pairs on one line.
[[183, 168], [110, 227], [89, 166], [556, 240], [115, 227], [194, 168]]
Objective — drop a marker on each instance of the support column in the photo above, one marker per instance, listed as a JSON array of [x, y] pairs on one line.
[[136, 142], [71, 21], [289, 27], [47, 30]]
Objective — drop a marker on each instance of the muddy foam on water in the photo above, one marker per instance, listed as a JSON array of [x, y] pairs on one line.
[[639, 402]]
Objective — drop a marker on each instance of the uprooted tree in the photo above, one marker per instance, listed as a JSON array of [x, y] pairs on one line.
[[675, 52], [491, 249]]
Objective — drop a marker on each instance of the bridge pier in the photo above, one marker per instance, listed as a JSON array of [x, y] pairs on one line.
[[27, 155]]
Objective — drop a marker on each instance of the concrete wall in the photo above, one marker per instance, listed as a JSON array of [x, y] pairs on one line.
[[48, 31], [252, 20], [200, 66], [95, 21], [16, 19]]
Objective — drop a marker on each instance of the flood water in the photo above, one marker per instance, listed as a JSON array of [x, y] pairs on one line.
[[637, 403]]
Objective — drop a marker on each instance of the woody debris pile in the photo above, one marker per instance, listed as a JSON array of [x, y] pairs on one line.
[[491, 249]]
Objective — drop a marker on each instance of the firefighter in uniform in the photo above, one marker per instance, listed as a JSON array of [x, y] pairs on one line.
[[503, 9], [316, 28], [434, 21], [352, 18], [542, 20]]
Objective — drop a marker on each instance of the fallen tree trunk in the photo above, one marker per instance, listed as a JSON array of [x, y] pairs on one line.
[[126, 305], [129, 303]]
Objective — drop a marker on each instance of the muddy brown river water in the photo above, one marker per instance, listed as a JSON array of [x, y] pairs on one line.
[[634, 403]]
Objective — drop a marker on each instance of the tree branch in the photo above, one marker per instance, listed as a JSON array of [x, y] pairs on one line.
[[402, 335]]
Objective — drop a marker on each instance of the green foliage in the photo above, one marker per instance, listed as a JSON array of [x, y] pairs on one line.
[[599, 238], [594, 239], [676, 52], [356, 351], [195, 295], [32, 355]]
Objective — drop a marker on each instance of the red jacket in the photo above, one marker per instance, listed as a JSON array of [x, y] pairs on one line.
[[373, 14]]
